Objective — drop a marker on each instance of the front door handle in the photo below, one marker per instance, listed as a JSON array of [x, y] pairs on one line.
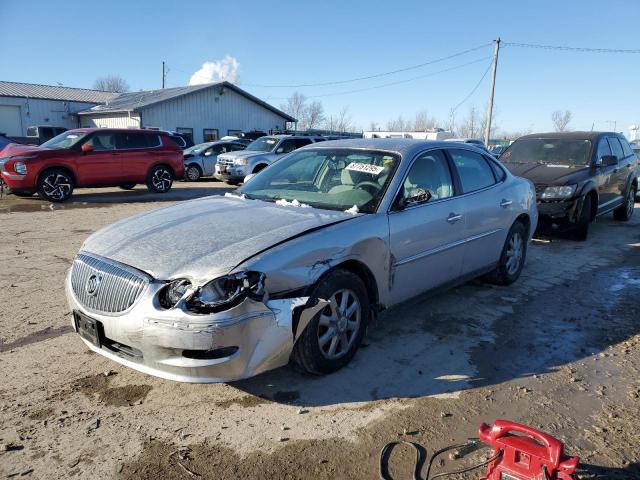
[[505, 203], [453, 217]]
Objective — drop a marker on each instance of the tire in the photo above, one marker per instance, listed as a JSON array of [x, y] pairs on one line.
[[160, 179], [128, 186], [512, 258], [625, 211], [55, 185], [581, 232], [192, 173], [309, 354]]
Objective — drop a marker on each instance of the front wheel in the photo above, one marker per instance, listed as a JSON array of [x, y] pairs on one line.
[[581, 231], [193, 173], [512, 257], [625, 211], [160, 179], [55, 185], [332, 337]]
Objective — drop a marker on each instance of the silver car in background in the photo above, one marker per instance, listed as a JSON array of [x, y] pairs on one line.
[[233, 167], [297, 262], [200, 160]]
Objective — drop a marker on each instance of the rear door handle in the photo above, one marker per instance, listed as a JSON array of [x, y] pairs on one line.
[[453, 217], [505, 203]]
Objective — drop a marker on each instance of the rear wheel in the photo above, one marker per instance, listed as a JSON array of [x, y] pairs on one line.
[[332, 337], [625, 211], [160, 179], [128, 186], [513, 256], [55, 185], [193, 173], [581, 232]]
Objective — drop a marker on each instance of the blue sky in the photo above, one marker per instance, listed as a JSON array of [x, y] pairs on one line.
[[288, 42]]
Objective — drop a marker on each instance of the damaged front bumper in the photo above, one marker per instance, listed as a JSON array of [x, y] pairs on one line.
[[238, 343]]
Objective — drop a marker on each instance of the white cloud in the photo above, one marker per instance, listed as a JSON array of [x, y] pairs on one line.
[[225, 69]]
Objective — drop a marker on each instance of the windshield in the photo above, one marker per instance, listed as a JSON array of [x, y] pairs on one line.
[[549, 151], [333, 179], [197, 149], [64, 140], [263, 144]]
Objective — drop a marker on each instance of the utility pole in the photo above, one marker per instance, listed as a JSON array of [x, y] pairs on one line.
[[487, 128], [163, 74]]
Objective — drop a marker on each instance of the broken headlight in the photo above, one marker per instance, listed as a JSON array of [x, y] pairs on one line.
[[225, 292], [173, 292]]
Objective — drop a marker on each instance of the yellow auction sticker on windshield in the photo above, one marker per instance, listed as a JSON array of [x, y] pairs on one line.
[[365, 168]]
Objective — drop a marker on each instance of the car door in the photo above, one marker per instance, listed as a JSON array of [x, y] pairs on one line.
[[604, 177], [101, 165], [426, 237], [488, 207], [137, 154], [621, 171]]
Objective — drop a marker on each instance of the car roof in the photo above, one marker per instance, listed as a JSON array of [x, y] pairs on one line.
[[404, 146], [96, 129], [584, 135]]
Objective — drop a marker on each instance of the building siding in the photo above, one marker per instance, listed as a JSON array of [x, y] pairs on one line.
[[209, 109], [56, 113], [113, 120]]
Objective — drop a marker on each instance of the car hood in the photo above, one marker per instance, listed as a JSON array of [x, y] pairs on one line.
[[14, 149], [204, 238], [546, 174], [243, 154]]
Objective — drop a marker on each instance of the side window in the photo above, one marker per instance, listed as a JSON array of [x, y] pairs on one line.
[[603, 149], [179, 140], [287, 146], [301, 142], [616, 148], [102, 141], [216, 149], [131, 140], [498, 172], [429, 172], [474, 171], [626, 148], [236, 146]]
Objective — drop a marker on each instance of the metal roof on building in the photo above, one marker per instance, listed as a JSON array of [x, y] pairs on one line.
[[51, 92], [133, 101]]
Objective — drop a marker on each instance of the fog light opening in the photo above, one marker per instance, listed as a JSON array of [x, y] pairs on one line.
[[215, 354]]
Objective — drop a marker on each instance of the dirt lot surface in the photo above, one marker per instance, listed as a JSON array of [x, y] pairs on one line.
[[559, 350]]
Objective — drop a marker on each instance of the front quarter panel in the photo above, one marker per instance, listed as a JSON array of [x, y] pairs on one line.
[[298, 264]]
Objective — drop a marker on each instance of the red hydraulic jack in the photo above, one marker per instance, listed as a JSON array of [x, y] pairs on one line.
[[527, 454]]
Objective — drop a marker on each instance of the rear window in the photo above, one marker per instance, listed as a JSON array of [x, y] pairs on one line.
[[474, 171], [179, 140]]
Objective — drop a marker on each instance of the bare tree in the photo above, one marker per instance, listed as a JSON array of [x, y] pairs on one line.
[[423, 122], [344, 122], [313, 115], [399, 125], [373, 126], [111, 83], [295, 106], [451, 123], [470, 127], [561, 119]]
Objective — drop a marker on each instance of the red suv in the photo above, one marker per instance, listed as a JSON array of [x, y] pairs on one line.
[[92, 157]]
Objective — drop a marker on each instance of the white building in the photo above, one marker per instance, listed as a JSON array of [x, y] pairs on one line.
[[206, 112], [434, 134], [24, 104]]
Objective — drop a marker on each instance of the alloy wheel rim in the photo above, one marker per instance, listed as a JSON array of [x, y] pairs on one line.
[[631, 201], [161, 179], [56, 186], [514, 253], [192, 173], [339, 324]]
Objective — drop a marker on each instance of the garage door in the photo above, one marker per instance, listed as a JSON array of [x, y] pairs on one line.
[[10, 120]]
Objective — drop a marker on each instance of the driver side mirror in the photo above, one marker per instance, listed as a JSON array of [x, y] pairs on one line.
[[416, 195], [86, 148], [607, 161]]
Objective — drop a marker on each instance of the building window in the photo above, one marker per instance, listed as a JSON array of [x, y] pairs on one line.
[[234, 133], [210, 134], [186, 131]]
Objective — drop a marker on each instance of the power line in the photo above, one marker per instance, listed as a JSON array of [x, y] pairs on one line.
[[474, 88], [431, 74], [376, 75], [571, 49]]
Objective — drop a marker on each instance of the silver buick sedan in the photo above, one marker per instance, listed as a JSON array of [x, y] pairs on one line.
[[296, 263]]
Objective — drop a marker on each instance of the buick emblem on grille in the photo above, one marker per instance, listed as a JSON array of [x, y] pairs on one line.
[[93, 282]]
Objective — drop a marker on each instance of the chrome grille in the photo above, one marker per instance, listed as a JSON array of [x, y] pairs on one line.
[[118, 287], [225, 161]]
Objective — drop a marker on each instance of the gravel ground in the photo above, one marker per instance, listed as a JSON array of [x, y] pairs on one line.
[[558, 350]]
